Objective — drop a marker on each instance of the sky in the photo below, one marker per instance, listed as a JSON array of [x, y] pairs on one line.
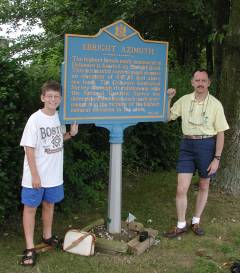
[[8, 32]]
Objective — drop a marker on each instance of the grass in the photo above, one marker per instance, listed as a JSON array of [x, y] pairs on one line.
[[149, 197]]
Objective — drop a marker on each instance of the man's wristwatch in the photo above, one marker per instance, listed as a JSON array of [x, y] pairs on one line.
[[218, 157]]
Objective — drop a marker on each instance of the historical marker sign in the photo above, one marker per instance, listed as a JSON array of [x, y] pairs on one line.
[[114, 77]]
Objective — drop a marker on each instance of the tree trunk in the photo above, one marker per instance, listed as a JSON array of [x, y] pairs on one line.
[[220, 19], [209, 57], [229, 173]]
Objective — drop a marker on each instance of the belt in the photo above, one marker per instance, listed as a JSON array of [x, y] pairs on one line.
[[197, 136]]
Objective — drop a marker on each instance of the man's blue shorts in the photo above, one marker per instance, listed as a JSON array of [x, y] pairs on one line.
[[196, 154], [34, 197]]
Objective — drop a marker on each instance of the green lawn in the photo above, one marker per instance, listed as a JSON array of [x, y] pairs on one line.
[[147, 197]]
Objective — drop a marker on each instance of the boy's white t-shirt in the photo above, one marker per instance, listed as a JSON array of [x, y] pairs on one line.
[[45, 134]]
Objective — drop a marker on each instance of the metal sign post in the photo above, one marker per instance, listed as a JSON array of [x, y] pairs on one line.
[[115, 177], [115, 189]]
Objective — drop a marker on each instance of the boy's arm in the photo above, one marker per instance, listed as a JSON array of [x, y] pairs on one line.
[[73, 131], [30, 153]]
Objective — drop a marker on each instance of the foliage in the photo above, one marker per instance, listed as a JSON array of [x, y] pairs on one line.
[[13, 102], [86, 167], [152, 146], [186, 24]]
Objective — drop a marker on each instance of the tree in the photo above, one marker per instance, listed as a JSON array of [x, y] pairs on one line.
[[185, 24], [229, 173]]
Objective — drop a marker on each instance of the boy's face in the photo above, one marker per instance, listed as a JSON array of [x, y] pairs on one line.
[[51, 100]]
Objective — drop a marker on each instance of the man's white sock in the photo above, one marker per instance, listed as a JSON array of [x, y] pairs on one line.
[[181, 224], [195, 220]]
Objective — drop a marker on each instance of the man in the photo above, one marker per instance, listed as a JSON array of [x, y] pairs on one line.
[[203, 126]]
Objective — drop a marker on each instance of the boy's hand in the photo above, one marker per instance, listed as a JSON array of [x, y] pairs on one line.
[[171, 93], [36, 182], [73, 129]]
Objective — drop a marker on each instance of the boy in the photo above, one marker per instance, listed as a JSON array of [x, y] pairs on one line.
[[42, 180]]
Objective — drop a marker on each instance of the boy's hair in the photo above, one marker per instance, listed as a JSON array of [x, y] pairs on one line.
[[51, 85]]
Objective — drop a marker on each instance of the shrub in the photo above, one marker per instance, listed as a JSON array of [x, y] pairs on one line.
[[152, 146], [13, 102], [86, 166]]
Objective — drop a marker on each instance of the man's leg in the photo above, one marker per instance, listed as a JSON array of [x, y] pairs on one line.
[[184, 181], [202, 196], [47, 218], [201, 201]]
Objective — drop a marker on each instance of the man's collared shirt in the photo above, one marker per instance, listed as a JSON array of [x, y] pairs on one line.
[[199, 118]]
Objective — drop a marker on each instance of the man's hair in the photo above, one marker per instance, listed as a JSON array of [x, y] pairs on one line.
[[201, 70], [50, 85]]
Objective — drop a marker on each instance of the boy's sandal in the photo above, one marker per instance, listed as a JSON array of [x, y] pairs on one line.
[[53, 241], [29, 255]]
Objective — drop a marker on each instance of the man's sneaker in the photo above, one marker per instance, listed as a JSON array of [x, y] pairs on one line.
[[197, 229], [175, 232]]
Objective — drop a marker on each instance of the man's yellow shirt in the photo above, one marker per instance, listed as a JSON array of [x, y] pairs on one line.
[[199, 118]]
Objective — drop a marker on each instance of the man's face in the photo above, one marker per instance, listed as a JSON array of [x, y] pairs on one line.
[[200, 82]]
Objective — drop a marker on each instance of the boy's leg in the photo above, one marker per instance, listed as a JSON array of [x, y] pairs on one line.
[[47, 218], [31, 199], [29, 225], [51, 196]]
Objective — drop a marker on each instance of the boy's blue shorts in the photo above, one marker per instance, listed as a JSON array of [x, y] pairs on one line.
[[34, 197], [196, 154]]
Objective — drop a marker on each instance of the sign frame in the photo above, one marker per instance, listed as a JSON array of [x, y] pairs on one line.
[[125, 35]]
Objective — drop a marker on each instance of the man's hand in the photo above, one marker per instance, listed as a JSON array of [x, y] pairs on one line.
[[73, 129], [171, 93], [212, 168]]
